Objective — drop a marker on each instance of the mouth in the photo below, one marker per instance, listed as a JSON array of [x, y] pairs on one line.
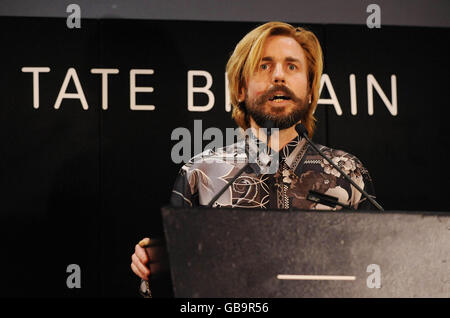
[[279, 98]]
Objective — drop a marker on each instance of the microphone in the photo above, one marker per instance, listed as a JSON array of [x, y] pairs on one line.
[[269, 125], [249, 166], [301, 130]]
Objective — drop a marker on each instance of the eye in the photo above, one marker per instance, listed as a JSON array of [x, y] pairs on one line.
[[264, 66], [292, 67]]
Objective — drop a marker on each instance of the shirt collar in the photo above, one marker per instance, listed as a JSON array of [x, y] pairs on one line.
[[289, 148], [286, 151]]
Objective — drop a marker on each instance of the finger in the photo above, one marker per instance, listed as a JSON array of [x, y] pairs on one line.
[[142, 268], [147, 242], [137, 272], [141, 254], [144, 242]]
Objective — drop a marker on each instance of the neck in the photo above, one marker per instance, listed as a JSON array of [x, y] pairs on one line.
[[283, 136]]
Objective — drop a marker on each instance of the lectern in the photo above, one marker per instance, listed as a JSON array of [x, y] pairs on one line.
[[260, 253]]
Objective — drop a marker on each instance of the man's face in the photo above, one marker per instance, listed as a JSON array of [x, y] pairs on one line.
[[278, 91]]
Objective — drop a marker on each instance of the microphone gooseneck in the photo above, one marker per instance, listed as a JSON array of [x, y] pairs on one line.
[[269, 125], [303, 132]]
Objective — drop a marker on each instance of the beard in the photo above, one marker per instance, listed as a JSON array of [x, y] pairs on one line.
[[257, 109]]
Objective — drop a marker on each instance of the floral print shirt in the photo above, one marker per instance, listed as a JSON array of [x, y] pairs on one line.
[[300, 170]]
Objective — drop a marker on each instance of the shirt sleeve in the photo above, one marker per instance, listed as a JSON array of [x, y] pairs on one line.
[[184, 193]]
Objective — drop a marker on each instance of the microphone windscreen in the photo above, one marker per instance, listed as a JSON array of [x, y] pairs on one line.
[[301, 130], [268, 124]]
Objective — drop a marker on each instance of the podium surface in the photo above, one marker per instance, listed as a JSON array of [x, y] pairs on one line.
[[260, 253]]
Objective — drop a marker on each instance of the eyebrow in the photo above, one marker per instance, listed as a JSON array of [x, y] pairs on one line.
[[287, 59]]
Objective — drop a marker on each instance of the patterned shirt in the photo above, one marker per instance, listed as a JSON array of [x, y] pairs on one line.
[[300, 170]]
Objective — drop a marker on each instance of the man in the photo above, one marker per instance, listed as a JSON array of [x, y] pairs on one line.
[[274, 75]]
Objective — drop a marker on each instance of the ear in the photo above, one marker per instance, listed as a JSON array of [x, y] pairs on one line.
[[241, 97]]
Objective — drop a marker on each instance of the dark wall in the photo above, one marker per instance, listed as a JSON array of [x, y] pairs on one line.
[[83, 186]]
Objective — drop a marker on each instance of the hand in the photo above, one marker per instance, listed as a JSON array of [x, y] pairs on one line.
[[145, 253]]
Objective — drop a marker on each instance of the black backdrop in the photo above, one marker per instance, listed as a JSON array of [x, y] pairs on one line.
[[83, 186]]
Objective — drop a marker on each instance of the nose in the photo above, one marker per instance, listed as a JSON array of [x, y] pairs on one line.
[[278, 76]]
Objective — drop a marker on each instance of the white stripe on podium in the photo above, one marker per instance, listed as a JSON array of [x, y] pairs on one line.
[[315, 277]]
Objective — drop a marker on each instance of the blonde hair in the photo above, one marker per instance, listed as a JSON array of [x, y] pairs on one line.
[[247, 55]]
